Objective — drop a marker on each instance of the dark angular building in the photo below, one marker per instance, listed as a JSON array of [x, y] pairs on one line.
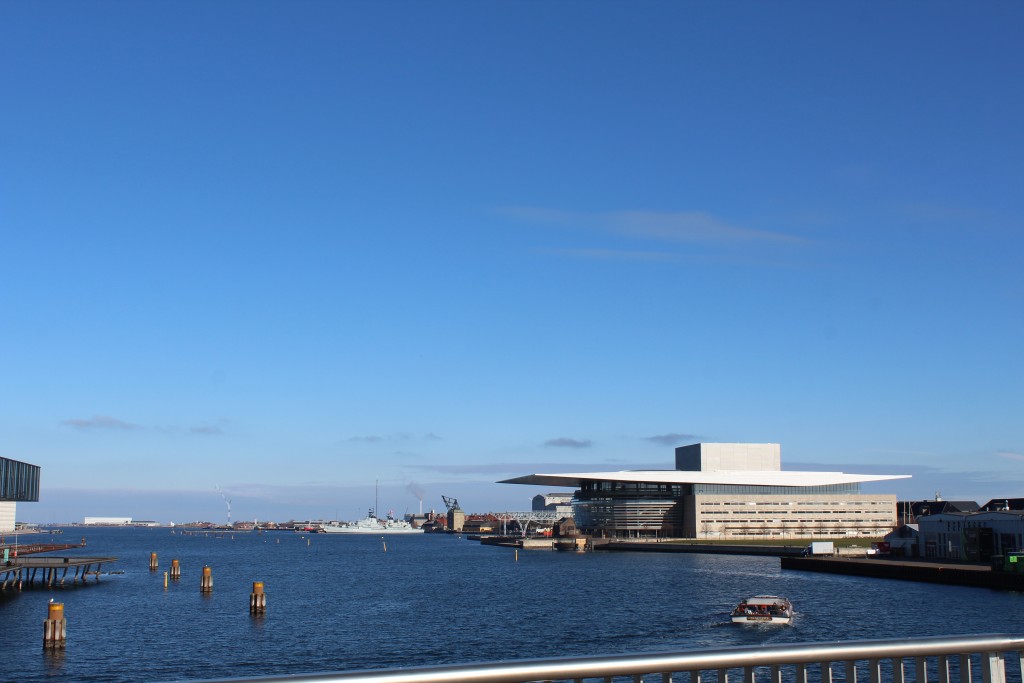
[[19, 482]]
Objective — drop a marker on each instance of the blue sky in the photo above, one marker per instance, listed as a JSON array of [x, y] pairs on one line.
[[291, 249]]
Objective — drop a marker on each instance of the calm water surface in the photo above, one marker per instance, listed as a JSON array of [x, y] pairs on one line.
[[342, 602]]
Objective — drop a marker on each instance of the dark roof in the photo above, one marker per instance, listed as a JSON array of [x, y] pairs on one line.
[[921, 508], [1003, 503]]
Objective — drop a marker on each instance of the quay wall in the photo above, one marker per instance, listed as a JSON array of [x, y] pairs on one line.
[[706, 548], [930, 572]]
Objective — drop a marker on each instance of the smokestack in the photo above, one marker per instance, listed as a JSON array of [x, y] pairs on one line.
[[416, 490]]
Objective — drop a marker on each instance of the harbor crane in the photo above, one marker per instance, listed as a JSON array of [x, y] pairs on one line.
[[450, 503]]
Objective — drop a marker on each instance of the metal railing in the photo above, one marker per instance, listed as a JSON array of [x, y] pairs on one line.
[[963, 659]]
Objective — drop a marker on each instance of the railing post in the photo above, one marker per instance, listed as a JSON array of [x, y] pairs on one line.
[[944, 669], [965, 669], [826, 672], [851, 671], [992, 667], [875, 672], [920, 669], [897, 670]]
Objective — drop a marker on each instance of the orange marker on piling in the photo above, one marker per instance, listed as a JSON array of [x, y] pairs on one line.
[[55, 631], [257, 599], [206, 583]]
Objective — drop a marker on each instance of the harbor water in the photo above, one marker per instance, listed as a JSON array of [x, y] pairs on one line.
[[342, 602]]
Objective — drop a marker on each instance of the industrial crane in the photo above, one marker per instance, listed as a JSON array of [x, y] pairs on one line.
[[450, 503]]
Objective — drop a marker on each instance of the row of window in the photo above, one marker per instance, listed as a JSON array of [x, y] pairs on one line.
[[737, 490], [817, 503], [762, 520], [719, 489], [801, 514]]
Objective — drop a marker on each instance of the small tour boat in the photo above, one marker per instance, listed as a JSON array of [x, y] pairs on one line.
[[763, 609]]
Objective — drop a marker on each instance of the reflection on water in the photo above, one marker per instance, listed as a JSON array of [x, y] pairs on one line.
[[340, 602]]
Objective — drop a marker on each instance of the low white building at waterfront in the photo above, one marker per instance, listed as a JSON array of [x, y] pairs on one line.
[[107, 521], [725, 491]]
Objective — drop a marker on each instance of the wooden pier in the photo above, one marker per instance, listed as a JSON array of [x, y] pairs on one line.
[[20, 572], [15, 549]]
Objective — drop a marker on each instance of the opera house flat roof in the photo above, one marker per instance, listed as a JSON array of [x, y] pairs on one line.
[[728, 477]]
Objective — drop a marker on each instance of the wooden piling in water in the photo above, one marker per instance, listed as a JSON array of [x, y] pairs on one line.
[[55, 631], [152, 562], [175, 570], [257, 599], [206, 583]]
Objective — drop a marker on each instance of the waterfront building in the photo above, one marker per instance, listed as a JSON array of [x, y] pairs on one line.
[[725, 491], [19, 482], [559, 503], [904, 540], [972, 537], [107, 521], [909, 510]]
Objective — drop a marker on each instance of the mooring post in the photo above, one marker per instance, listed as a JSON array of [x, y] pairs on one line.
[[206, 583], [55, 631], [257, 599], [152, 562], [175, 570]]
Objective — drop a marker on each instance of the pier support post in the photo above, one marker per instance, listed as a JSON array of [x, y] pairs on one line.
[[55, 631], [257, 599], [152, 562], [175, 570], [206, 583]]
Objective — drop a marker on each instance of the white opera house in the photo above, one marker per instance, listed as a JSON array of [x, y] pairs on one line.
[[725, 491]]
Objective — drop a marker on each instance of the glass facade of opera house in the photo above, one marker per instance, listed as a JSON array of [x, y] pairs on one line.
[[19, 481], [695, 505]]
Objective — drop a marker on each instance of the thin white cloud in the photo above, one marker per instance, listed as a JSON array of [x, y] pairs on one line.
[[207, 430], [662, 226], [615, 254], [1010, 455], [902, 452], [670, 439], [689, 226], [100, 422], [566, 442], [397, 436], [931, 212]]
